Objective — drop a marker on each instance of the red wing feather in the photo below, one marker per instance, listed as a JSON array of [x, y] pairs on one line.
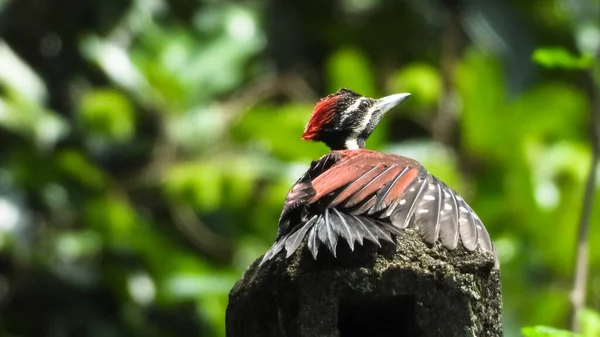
[[362, 173], [401, 185], [373, 186], [355, 185]]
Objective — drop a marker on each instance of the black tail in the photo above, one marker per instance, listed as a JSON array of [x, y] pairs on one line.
[[327, 228]]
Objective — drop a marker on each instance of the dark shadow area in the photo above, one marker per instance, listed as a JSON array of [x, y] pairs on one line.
[[394, 316]]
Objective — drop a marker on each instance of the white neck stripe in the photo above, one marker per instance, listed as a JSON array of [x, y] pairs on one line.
[[351, 144]]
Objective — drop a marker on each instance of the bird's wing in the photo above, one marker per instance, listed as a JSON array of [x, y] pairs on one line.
[[368, 195], [302, 193]]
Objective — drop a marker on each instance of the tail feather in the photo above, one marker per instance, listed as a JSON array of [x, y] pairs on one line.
[[343, 229], [313, 241], [365, 231], [389, 227], [327, 235], [274, 250], [357, 227], [378, 231], [328, 228], [293, 241]]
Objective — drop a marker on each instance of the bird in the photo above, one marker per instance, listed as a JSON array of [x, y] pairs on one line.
[[354, 194]]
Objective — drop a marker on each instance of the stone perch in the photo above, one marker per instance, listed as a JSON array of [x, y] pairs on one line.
[[407, 289]]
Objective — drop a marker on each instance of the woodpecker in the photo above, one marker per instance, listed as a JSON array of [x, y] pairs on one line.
[[353, 194]]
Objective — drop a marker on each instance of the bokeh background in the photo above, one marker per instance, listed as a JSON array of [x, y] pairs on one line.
[[146, 146]]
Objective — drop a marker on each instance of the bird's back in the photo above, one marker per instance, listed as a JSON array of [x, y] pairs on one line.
[[361, 194]]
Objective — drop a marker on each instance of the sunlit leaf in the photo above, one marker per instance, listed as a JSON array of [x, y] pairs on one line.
[[116, 63], [590, 323], [193, 285], [106, 113], [19, 77], [542, 331], [32, 120], [561, 58], [76, 245]]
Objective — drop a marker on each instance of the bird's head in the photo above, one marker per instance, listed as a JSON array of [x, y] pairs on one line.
[[345, 119]]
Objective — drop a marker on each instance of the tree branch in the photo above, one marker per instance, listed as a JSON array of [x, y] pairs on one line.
[[581, 263]]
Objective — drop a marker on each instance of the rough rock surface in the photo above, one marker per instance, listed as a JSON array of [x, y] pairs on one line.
[[407, 289]]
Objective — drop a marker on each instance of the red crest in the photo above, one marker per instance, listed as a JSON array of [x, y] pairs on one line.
[[323, 113]]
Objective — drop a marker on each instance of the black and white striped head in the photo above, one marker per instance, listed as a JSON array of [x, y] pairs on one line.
[[345, 119]]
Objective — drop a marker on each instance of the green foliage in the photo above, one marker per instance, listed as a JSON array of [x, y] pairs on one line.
[[422, 81], [590, 323], [542, 331], [76, 167], [106, 113], [360, 79], [561, 58]]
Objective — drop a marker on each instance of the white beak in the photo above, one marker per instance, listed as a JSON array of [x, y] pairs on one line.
[[386, 103]]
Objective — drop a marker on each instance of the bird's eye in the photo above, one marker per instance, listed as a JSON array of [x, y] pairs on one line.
[[364, 104]]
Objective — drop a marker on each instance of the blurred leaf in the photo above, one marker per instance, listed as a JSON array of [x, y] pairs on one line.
[[542, 331], [76, 245], [116, 63], [30, 119], [590, 323], [114, 219], [200, 184], [278, 131], [49, 129], [195, 130], [349, 68], [106, 113], [194, 285], [141, 288], [545, 110], [218, 183], [561, 58], [555, 299], [421, 80], [215, 308], [481, 88], [19, 77], [75, 166], [218, 64]]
